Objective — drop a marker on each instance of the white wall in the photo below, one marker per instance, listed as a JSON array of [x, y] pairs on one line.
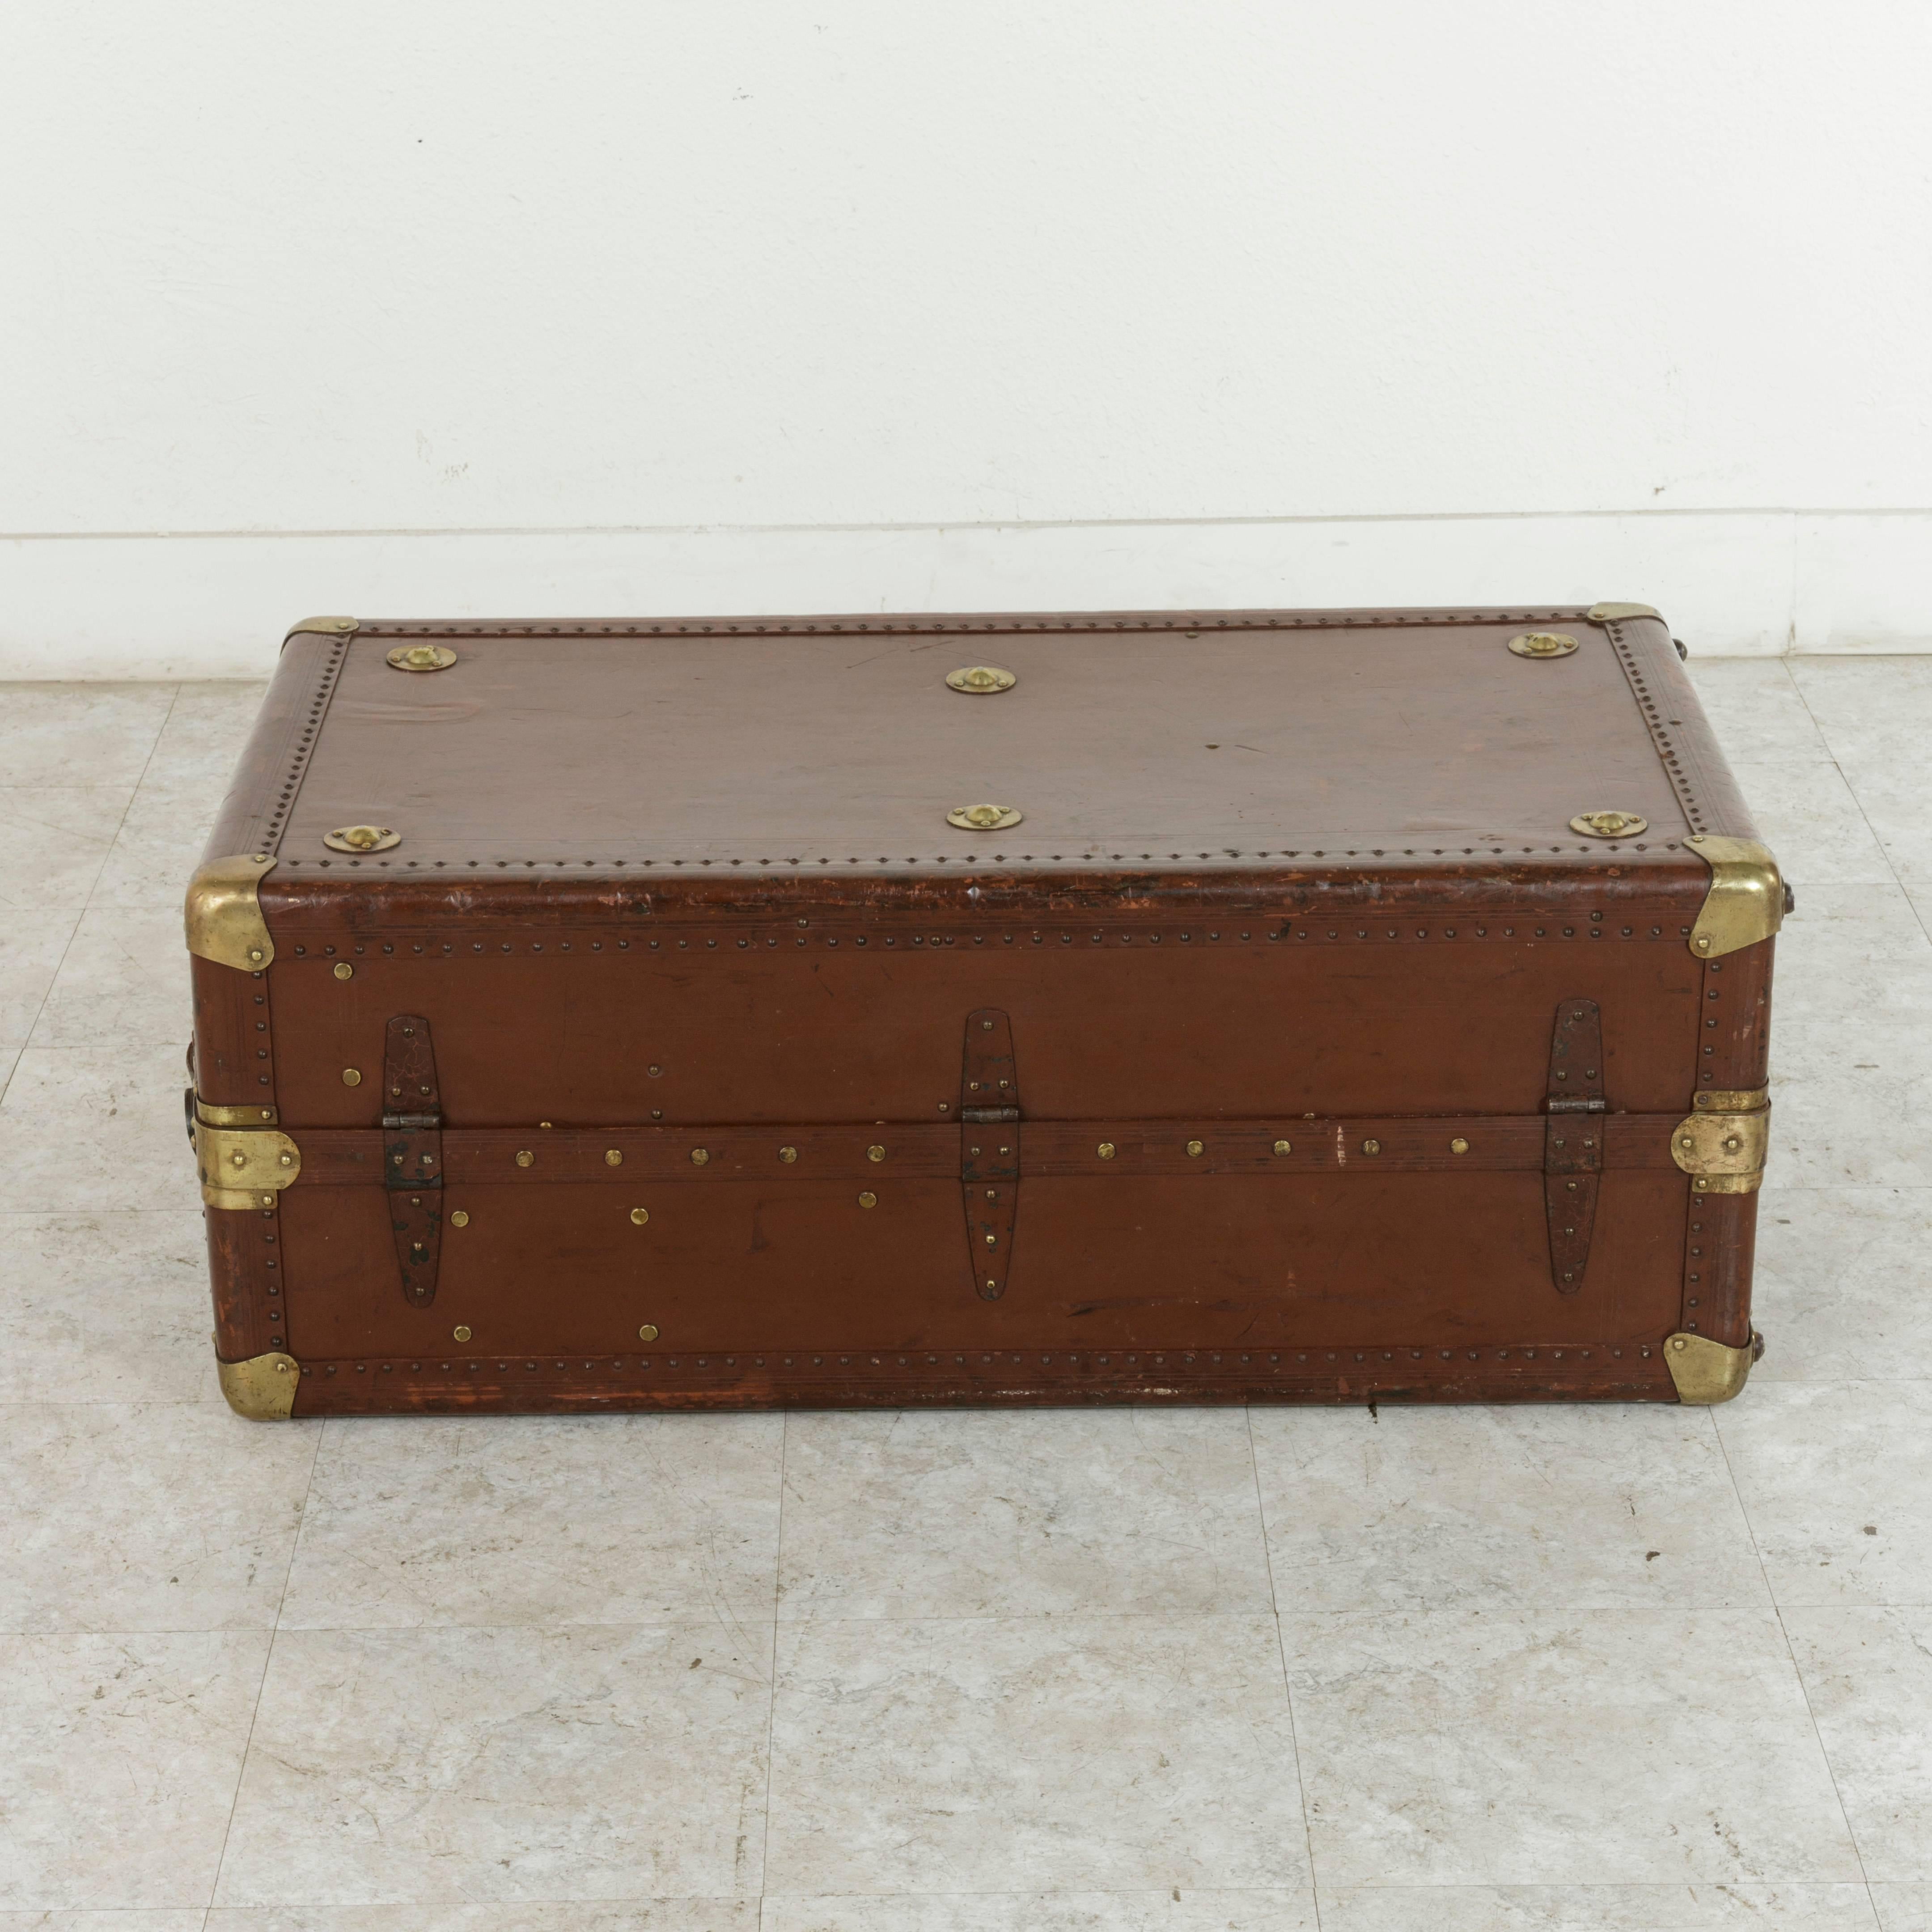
[[433, 308]]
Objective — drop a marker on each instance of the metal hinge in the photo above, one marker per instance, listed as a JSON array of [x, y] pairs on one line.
[[244, 1167], [1723, 1143]]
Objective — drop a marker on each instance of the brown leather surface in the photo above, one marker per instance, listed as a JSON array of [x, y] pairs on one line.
[[765, 754], [1350, 920]]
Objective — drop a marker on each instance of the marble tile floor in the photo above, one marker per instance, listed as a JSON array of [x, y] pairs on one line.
[[1455, 1670]]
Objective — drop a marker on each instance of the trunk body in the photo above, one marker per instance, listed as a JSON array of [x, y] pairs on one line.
[[1291, 1046]]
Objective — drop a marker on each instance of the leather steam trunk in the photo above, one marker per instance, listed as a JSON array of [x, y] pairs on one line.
[[1314, 1006]]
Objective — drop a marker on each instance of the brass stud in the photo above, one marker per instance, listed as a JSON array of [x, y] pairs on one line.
[[351, 1077], [1609, 824], [361, 839], [983, 817], [422, 657], [344, 970], [868, 1199], [648, 1332], [1542, 644], [981, 680], [1459, 1145], [525, 1158], [614, 1157], [875, 1153], [461, 1331], [1196, 1149], [460, 1219], [1105, 1149], [639, 1216], [787, 1155], [700, 1156], [1372, 1147], [992, 1240]]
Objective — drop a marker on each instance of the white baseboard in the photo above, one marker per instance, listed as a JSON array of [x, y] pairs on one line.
[[1732, 583]]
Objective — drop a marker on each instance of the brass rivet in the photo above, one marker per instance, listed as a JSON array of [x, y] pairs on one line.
[[1678, 1342], [1542, 644], [981, 680], [1459, 1145], [1609, 824], [1685, 1141], [788, 1154], [614, 1157], [1105, 1149], [1196, 1149], [422, 657], [344, 970], [868, 1199], [255, 952], [461, 1331], [875, 1153], [699, 1156], [460, 1219], [648, 1332], [525, 1158], [361, 839], [1732, 1144], [351, 1077], [983, 817], [239, 1160], [639, 1216], [1703, 942], [289, 1159], [1372, 1147], [992, 1240], [1284, 1146]]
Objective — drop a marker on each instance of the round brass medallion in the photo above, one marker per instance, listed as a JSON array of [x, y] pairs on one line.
[[422, 657], [1542, 644], [980, 680], [361, 839], [983, 817], [1609, 824]]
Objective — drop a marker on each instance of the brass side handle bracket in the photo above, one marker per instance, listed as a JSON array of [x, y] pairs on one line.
[[244, 1167], [1722, 1143]]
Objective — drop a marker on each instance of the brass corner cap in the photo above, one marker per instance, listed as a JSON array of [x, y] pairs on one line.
[[1705, 1371], [1609, 613], [263, 1388], [1746, 900], [323, 627], [223, 914]]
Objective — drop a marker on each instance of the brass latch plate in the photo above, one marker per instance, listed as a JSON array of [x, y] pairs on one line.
[[1722, 1144], [244, 1167]]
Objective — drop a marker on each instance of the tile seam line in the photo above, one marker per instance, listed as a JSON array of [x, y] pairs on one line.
[[1281, 1654], [87, 903], [261, 1683], [1845, 778], [1797, 1668], [941, 525], [771, 1702]]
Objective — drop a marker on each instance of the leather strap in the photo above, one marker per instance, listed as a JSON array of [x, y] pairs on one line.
[[1572, 1144], [989, 1148], [412, 1154]]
